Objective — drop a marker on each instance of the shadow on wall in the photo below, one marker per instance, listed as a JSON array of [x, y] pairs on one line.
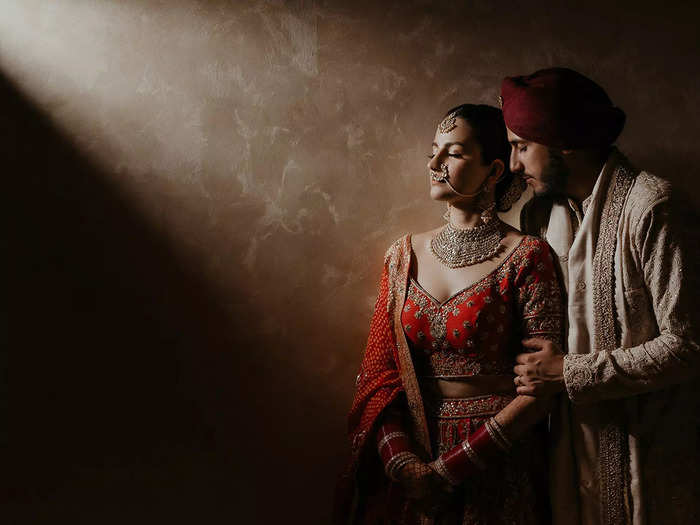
[[130, 403]]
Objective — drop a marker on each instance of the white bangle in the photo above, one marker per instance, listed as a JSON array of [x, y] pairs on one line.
[[396, 462], [498, 435]]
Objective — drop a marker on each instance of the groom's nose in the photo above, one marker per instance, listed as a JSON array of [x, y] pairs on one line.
[[515, 165]]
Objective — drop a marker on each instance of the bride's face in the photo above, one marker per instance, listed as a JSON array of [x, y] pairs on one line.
[[458, 153]]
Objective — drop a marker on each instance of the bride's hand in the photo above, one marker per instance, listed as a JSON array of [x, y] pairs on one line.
[[427, 488]]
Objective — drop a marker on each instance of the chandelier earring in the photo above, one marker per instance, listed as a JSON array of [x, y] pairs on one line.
[[513, 193], [486, 199], [446, 215]]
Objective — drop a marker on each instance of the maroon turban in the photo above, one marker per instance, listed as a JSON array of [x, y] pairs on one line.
[[560, 108]]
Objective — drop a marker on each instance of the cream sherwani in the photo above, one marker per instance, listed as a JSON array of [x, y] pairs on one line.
[[627, 438]]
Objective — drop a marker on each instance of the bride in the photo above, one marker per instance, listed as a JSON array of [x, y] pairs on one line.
[[438, 433]]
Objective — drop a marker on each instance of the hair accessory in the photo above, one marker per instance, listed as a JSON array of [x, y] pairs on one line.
[[448, 123]]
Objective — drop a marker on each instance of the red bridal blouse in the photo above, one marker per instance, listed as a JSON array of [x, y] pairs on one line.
[[414, 338]]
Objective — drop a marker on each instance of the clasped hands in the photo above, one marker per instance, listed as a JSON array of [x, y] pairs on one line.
[[427, 489], [539, 373]]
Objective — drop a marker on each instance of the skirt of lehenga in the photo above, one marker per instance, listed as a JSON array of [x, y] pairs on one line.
[[513, 490]]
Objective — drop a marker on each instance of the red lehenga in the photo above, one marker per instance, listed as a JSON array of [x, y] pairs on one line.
[[476, 331]]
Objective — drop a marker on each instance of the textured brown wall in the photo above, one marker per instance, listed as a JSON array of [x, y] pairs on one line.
[[200, 195]]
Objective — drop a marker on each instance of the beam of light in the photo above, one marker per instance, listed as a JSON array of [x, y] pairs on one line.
[[184, 92]]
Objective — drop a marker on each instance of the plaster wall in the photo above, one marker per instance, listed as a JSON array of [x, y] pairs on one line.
[[200, 195]]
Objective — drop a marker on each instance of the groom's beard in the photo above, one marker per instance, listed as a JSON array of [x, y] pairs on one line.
[[554, 177]]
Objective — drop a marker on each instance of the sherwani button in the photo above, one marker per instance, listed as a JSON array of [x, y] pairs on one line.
[[581, 286]]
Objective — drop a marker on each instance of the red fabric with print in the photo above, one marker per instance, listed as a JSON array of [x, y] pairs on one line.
[[378, 385]]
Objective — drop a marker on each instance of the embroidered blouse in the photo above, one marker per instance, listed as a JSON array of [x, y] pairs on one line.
[[521, 298], [478, 330]]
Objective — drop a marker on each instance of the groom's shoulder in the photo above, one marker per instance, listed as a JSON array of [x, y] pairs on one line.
[[648, 189], [647, 192]]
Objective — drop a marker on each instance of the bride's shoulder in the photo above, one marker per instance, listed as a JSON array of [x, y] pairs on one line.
[[397, 248], [420, 241], [535, 244], [514, 237], [410, 242], [532, 252]]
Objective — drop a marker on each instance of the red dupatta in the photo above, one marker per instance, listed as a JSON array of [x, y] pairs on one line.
[[386, 375]]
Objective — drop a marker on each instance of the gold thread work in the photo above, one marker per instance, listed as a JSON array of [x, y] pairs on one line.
[[614, 454]]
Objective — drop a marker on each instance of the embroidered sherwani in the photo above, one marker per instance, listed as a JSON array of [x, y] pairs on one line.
[[632, 428]]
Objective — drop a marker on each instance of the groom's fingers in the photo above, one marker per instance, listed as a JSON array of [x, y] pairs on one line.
[[523, 370], [524, 359], [535, 343], [526, 390]]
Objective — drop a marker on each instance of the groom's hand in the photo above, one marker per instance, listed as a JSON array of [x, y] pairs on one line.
[[540, 372]]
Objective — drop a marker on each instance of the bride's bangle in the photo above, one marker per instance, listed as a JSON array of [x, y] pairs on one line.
[[473, 454], [497, 433], [397, 462], [393, 445]]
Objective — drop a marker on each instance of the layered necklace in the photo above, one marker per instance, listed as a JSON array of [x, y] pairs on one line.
[[456, 248]]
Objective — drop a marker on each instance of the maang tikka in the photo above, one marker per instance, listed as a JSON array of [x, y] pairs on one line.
[[448, 123]]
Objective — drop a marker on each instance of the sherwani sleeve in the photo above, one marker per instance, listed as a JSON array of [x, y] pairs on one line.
[[673, 356]]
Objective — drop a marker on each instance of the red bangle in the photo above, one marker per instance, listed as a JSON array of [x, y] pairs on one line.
[[469, 457], [391, 439]]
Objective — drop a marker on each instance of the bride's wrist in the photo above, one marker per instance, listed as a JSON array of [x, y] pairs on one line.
[[396, 467], [473, 454]]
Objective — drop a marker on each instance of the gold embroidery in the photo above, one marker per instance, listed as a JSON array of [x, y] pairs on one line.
[[478, 406], [577, 373], [614, 454], [399, 260]]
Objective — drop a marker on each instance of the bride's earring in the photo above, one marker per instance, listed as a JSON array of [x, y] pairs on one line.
[[485, 200], [446, 215], [489, 213]]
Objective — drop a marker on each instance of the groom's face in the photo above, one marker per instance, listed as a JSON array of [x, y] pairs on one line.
[[541, 167]]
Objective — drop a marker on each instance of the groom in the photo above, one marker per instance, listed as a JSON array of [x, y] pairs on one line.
[[627, 440]]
